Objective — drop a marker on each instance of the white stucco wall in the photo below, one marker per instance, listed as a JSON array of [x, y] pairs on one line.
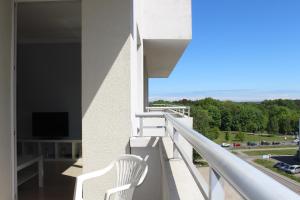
[[6, 167], [106, 84]]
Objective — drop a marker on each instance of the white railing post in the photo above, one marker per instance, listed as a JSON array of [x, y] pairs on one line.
[[141, 126], [41, 172], [166, 127], [73, 150], [216, 186], [175, 140]]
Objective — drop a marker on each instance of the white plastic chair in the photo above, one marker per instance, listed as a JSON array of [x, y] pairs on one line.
[[131, 172]]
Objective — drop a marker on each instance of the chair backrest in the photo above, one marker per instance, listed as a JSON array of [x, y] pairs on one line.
[[132, 170]]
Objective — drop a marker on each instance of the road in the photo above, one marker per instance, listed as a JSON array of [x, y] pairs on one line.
[[265, 149], [291, 184]]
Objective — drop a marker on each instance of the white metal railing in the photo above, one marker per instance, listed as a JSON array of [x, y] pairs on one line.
[[180, 110], [251, 183], [148, 115]]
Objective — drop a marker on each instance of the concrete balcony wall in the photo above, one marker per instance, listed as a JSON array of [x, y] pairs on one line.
[[166, 29], [165, 19], [106, 87], [167, 178], [152, 186], [177, 181], [6, 154]]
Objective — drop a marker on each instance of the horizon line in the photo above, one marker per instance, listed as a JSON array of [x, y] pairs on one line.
[[238, 95]]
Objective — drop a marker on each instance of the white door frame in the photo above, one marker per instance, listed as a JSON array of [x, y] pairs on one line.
[[14, 101], [14, 28]]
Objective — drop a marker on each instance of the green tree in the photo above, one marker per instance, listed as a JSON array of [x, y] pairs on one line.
[[201, 119], [274, 116], [273, 126], [240, 136], [215, 115], [213, 133], [295, 121], [227, 136], [226, 120], [284, 119]]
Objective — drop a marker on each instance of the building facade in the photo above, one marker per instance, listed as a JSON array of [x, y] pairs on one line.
[[123, 44]]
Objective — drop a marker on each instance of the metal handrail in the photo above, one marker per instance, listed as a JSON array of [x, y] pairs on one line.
[[247, 180]]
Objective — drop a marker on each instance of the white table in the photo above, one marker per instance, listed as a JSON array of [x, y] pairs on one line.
[[27, 161]]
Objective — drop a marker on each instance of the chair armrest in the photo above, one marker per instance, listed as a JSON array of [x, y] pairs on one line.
[[82, 178], [117, 189]]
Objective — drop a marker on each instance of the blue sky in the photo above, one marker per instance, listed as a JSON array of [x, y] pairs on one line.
[[241, 50]]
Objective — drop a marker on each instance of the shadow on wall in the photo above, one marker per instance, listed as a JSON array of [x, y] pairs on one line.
[[152, 185], [104, 37], [171, 191], [106, 82]]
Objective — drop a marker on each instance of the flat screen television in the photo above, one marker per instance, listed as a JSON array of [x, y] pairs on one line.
[[50, 125]]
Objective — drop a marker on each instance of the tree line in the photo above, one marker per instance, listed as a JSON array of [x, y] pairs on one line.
[[270, 116]]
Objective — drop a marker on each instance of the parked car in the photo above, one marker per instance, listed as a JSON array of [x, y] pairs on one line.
[[264, 143], [279, 164], [275, 143], [294, 169], [251, 144], [296, 140], [225, 145], [236, 145], [284, 167]]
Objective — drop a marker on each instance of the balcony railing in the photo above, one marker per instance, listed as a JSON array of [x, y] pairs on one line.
[[180, 110], [247, 180]]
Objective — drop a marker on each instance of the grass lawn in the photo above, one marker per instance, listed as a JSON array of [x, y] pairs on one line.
[[201, 163], [272, 152], [274, 147], [269, 164], [254, 138]]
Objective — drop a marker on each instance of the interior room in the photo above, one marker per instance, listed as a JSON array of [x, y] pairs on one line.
[[48, 99]]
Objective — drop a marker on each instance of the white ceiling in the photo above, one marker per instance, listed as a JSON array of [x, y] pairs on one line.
[[49, 22]]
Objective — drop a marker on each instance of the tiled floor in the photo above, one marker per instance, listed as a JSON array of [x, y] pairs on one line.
[[59, 181]]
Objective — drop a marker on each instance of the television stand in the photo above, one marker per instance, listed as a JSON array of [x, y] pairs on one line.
[[51, 150]]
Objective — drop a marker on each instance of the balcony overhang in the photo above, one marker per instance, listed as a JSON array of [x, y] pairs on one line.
[[162, 55], [166, 29]]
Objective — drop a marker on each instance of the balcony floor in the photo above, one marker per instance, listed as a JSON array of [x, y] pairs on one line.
[[59, 181]]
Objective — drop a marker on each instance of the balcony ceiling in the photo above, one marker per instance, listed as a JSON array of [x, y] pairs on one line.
[[49, 22]]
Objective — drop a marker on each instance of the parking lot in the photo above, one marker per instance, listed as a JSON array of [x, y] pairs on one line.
[[290, 161], [291, 181]]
